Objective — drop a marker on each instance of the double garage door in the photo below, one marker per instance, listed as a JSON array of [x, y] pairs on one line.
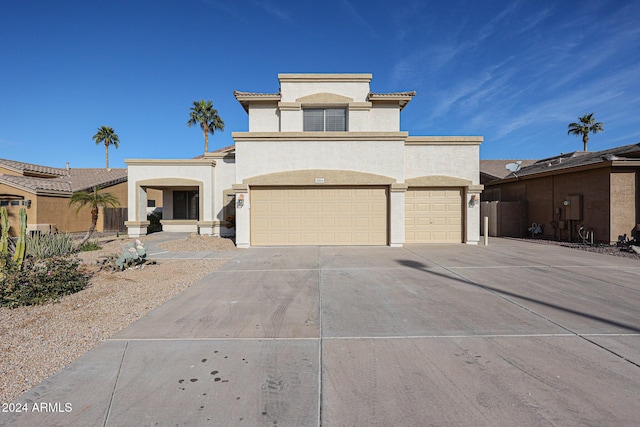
[[351, 215], [319, 216]]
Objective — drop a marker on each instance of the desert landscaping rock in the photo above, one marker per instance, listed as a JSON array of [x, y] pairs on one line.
[[38, 341]]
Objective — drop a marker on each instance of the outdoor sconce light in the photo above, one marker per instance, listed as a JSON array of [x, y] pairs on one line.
[[240, 202], [27, 203], [566, 202], [474, 200]]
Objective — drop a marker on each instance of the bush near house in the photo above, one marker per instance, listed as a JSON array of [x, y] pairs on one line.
[[38, 269], [41, 281]]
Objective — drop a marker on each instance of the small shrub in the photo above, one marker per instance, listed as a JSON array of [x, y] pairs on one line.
[[42, 281], [154, 222], [41, 246], [90, 246]]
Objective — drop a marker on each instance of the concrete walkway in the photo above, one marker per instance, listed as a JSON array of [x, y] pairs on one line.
[[514, 333]]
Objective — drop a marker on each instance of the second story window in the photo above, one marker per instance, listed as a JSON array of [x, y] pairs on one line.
[[325, 120]]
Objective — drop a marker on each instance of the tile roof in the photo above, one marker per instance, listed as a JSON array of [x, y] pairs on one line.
[[582, 158], [403, 97], [495, 169], [31, 169], [74, 179], [626, 153], [392, 94], [226, 149], [238, 93]]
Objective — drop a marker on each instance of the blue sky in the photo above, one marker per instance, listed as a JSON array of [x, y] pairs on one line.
[[515, 72]]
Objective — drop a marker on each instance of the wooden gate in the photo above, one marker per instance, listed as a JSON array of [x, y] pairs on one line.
[[114, 218]]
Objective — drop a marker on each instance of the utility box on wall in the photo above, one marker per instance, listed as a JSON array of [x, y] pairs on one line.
[[573, 207]]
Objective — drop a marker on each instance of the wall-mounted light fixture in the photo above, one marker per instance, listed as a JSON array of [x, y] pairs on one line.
[[240, 201], [474, 200], [27, 203], [566, 202]]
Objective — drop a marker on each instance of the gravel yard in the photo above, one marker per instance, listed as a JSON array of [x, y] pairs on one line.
[[598, 248], [38, 341]]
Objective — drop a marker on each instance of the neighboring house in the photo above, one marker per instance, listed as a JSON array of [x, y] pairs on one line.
[[598, 191], [324, 163], [45, 193], [490, 170]]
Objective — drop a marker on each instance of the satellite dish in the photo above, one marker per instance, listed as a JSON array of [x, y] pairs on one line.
[[514, 167]]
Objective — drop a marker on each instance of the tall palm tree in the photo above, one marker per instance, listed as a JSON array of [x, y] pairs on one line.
[[587, 124], [107, 136], [203, 114], [94, 199]]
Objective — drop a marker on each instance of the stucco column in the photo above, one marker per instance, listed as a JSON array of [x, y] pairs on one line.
[[473, 214], [137, 212], [206, 223], [243, 224], [397, 195]]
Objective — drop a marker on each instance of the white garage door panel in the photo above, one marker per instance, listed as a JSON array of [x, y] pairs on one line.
[[433, 215], [318, 216]]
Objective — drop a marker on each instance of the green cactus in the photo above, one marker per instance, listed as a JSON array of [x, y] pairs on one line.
[[4, 225], [4, 239], [21, 244]]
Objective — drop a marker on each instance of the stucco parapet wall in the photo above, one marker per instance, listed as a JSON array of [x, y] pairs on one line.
[[438, 181], [319, 136], [319, 177], [308, 78], [170, 162], [444, 140]]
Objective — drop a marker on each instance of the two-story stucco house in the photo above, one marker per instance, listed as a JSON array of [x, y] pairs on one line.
[[324, 163]]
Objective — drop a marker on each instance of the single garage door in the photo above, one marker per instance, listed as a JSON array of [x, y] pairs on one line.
[[433, 215], [318, 216]]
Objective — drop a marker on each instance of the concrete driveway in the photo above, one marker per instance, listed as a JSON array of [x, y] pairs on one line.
[[514, 333]]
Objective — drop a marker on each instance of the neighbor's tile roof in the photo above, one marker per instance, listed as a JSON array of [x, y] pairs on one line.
[[498, 168], [582, 158], [75, 179], [29, 168], [563, 161]]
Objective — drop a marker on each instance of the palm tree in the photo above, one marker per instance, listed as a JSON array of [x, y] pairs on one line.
[[107, 136], [586, 126], [203, 114], [94, 199]]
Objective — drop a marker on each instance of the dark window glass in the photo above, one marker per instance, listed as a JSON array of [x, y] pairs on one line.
[[185, 204]]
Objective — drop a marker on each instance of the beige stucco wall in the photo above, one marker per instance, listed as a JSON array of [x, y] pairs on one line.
[[261, 157], [168, 173], [48, 212], [264, 118], [448, 156], [294, 86], [14, 211], [383, 117]]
